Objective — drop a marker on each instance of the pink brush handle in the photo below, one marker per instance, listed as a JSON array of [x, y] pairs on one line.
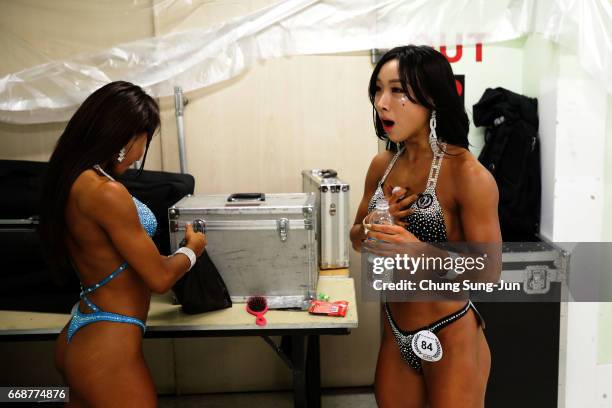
[[260, 320]]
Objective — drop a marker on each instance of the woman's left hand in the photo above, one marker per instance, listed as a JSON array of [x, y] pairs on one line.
[[395, 234], [400, 203]]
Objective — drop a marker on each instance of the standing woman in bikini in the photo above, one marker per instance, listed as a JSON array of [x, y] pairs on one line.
[[91, 221], [438, 192]]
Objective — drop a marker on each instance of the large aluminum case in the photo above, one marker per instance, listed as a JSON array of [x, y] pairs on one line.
[[332, 200], [261, 246]]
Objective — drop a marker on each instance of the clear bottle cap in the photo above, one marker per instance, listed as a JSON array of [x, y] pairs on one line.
[[382, 204]]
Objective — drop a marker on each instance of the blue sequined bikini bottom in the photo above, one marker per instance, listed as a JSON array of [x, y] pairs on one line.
[[80, 319]]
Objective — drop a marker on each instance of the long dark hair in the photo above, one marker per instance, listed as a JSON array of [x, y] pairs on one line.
[[429, 75], [106, 121]]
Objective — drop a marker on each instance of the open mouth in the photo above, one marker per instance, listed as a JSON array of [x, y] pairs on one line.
[[387, 124]]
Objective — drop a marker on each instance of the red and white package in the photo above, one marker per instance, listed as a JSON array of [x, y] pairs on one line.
[[328, 308]]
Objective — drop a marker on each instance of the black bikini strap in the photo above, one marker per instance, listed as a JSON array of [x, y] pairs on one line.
[[445, 321], [439, 324]]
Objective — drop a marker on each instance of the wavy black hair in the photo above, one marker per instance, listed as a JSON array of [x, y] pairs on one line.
[[106, 122], [429, 76]]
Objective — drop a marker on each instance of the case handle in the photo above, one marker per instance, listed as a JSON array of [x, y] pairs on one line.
[[246, 197], [329, 173]]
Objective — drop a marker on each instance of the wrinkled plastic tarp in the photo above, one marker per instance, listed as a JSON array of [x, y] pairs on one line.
[[199, 58], [585, 28]]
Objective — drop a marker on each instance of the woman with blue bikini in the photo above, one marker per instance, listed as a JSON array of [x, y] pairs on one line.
[[438, 192], [91, 221]]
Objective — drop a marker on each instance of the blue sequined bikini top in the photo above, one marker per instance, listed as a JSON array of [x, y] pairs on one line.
[[427, 220], [147, 219]]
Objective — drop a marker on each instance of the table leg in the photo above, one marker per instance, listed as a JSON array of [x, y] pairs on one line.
[[298, 357], [313, 372]]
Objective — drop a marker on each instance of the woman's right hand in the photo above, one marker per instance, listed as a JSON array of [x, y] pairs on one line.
[[196, 241]]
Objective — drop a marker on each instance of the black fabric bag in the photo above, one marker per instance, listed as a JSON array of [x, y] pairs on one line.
[[202, 289], [512, 154]]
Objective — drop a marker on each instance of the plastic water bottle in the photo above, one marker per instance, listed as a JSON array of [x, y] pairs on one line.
[[381, 214]]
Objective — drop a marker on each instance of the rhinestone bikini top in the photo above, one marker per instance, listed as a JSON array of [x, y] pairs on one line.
[[145, 215], [427, 220]]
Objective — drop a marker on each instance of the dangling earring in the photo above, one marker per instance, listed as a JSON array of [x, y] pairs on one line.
[[121, 155], [433, 137]]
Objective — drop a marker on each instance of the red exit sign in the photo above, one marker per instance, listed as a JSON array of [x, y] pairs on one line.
[[455, 53]]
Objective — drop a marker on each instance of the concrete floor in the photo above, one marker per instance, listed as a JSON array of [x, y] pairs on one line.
[[336, 398]]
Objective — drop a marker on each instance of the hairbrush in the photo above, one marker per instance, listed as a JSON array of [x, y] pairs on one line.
[[257, 306]]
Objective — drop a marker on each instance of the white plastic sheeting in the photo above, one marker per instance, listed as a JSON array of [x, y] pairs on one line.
[[199, 58], [585, 28]]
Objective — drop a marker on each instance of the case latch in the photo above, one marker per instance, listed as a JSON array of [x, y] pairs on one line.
[[536, 279], [199, 225], [283, 228], [332, 209]]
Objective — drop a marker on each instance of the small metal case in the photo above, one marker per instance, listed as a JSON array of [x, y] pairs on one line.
[[261, 244], [332, 200]]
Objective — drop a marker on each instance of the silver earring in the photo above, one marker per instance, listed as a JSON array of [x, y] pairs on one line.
[[121, 155], [433, 137]]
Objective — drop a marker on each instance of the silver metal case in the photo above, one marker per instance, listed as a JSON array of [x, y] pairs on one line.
[[332, 201], [262, 248]]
